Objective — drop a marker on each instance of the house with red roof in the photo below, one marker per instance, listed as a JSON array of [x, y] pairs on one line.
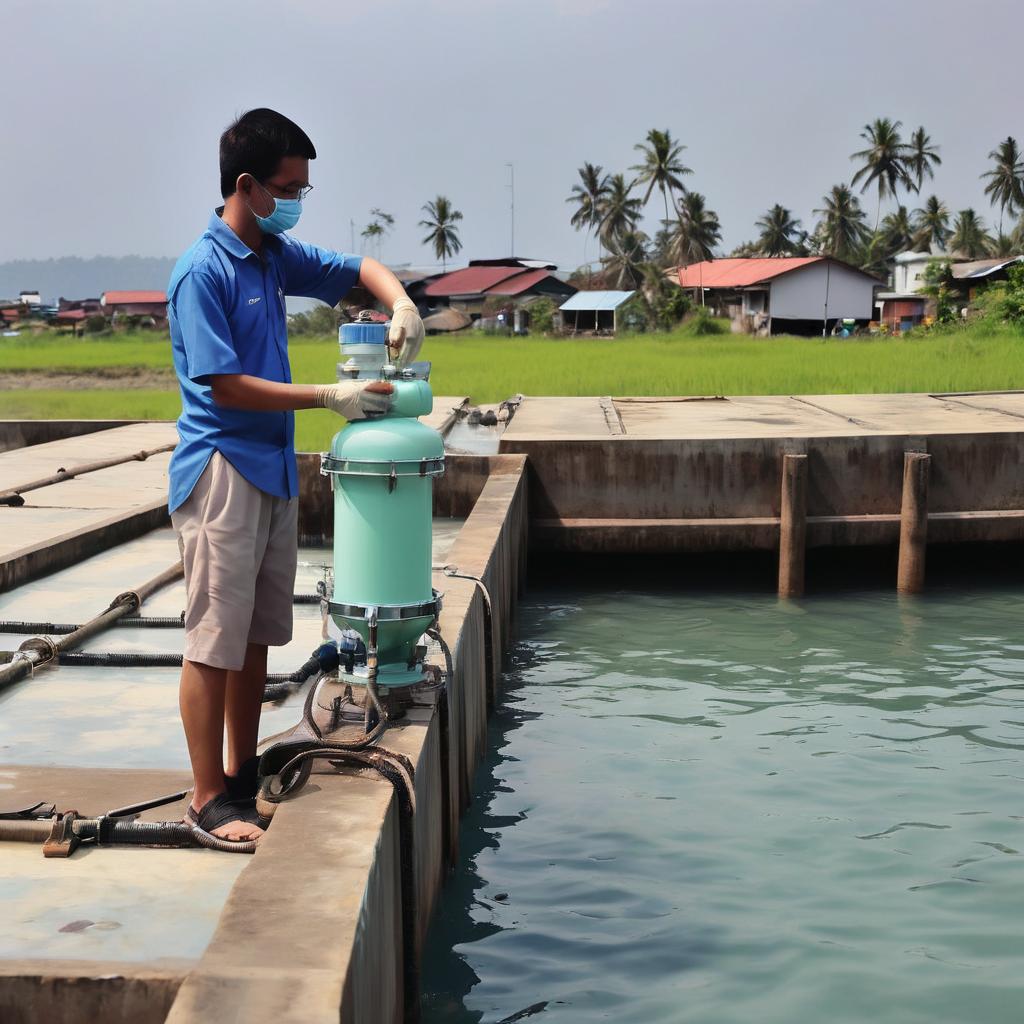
[[783, 294], [144, 304], [514, 280]]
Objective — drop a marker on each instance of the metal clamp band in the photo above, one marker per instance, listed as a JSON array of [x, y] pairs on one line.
[[387, 613], [329, 465]]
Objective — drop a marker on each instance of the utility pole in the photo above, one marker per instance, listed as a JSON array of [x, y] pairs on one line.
[[512, 205], [352, 234], [828, 281]]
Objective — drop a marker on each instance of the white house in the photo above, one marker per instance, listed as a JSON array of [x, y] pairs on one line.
[[784, 294], [908, 272], [903, 306]]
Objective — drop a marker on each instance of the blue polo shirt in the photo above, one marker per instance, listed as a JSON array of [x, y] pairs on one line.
[[226, 309]]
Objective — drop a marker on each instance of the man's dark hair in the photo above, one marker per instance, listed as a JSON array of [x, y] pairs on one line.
[[256, 143]]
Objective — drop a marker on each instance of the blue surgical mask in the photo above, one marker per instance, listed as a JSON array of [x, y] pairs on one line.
[[283, 217]]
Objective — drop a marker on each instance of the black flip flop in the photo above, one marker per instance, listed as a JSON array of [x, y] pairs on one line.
[[220, 811]]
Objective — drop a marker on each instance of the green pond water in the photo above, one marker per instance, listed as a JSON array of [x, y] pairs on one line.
[[716, 807]]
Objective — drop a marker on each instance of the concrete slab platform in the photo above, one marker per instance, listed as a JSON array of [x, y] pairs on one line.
[[67, 521], [21, 433], [764, 416], [22, 465], [130, 906], [548, 418]]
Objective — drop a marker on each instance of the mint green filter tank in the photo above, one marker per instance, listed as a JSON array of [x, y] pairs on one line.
[[382, 472]]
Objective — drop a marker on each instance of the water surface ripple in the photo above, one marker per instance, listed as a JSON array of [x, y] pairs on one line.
[[722, 808]]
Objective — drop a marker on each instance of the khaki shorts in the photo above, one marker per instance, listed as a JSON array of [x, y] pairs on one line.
[[239, 548]]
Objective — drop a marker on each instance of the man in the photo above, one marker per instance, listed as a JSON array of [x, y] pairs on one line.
[[233, 478]]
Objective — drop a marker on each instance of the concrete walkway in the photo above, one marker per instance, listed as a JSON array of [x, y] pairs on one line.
[[67, 521], [764, 416]]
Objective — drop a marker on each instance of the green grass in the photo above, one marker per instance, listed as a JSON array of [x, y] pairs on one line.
[[60, 353], [489, 369]]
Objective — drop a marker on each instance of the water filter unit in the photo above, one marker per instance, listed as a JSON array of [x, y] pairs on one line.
[[382, 472]]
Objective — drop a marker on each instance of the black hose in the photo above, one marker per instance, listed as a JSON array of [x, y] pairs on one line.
[[128, 622], [106, 831], [151, 622], [176, 834], [444, 744], [135, 659], [455, 572], [278, 685], [54, 628], [63, 628]]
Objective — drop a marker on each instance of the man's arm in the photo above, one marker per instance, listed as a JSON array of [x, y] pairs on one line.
[[254, 394], [377, 279], [326, 275], [243, 391]]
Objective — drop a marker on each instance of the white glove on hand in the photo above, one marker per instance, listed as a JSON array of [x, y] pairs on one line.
[[406, 334], [351, 399]]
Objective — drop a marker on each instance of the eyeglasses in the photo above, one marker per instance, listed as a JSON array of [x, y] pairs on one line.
[[287, 193]]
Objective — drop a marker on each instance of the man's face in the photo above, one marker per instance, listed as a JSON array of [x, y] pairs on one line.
[[287, 182]]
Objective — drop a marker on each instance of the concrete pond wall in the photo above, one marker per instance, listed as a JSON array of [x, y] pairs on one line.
[[311, 929]]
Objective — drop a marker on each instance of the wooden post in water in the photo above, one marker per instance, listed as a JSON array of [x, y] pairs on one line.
[[913, 523], [793, 526]]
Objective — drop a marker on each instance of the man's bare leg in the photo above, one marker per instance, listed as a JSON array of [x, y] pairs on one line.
[[201, 699], [242, 706]]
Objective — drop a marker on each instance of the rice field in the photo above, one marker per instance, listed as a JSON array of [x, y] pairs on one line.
[[131, 377]]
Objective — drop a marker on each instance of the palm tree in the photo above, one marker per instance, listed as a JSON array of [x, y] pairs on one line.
[[589, 196], [1018, 236], [780, 232], [1005, 186], [746, 250], [1002, 247], [970, 239], [922, 157], [373, 232], [443, 235], [624, 264], [898, 231], [842, 230], [662, 167], [697, 230], [875, 254], [619, 210], [931, 225], [884, 160]]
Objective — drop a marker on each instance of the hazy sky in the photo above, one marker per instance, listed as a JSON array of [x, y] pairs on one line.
[[113, 108]]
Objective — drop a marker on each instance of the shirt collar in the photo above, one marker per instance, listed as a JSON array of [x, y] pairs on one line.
[[226, 238]]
